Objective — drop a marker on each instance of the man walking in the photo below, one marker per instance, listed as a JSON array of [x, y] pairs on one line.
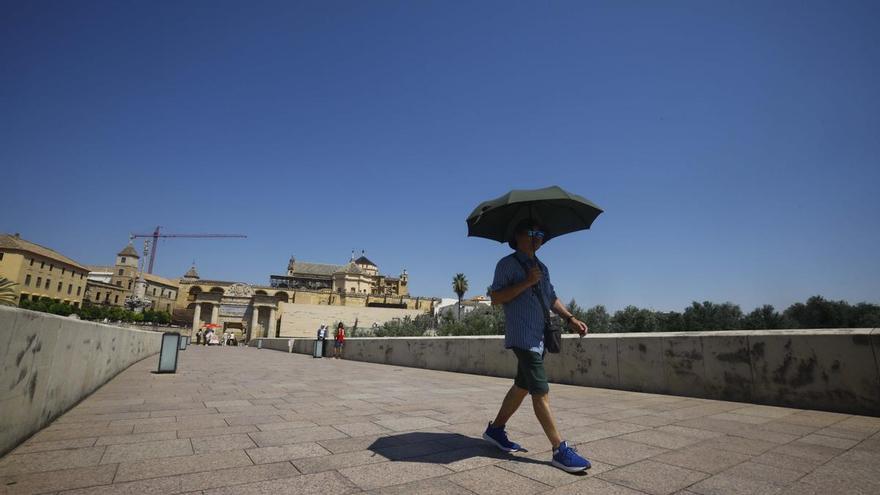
[[515, 276]]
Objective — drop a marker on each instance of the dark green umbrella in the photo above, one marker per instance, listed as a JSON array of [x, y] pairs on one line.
[[556, 209]]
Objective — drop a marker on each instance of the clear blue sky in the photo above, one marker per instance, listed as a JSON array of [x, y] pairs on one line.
[[734, 146]]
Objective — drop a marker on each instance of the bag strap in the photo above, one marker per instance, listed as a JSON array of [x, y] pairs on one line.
[[537, 287]]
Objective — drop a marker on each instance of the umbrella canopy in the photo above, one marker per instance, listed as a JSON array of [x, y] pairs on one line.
[[211, 325], [556, 209]]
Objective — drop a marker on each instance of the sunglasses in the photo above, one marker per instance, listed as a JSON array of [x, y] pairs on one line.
[[536, 233]]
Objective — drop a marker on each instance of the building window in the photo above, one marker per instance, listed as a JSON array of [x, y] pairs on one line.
[[154, 291], [168, 308], [62, 270], [129, 285], [42, 265], [51, 267], [78, 290], [70, 289], [123, 261], [98, 296], [39, 282], [27, 280], [1, 256], [60, 286], [119, 283], [32, 261], [48, 281], [116, 299], [120, 271]]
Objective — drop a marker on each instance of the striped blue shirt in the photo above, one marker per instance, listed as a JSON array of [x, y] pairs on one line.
[[523, 315]]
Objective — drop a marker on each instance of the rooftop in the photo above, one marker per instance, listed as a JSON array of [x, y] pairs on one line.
[[128, 250], [150, 277], [322, 269], [242, 420], [10, 242]]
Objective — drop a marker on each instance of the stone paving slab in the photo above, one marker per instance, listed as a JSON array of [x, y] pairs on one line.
[[243, 421]]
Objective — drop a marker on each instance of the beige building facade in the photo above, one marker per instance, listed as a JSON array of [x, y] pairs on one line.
[[358, 276], [123, 277], [41, 272], [309, 294]]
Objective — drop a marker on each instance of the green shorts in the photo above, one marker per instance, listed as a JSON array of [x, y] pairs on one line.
[[530, 374]]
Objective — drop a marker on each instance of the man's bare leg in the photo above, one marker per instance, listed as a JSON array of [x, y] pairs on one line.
[[541, 404], [510, 404]]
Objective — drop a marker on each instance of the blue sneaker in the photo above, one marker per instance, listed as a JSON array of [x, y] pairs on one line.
[[567, 459], [498, 437]]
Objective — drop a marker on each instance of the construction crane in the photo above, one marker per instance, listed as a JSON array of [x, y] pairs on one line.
[[156, 236]]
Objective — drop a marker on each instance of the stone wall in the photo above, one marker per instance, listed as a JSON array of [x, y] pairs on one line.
[[49, 363], [280, 344], [832, 370], [303, 320]]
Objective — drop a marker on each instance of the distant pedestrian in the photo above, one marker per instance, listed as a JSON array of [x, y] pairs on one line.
[[319, 342], [340, 341], [198, 337]]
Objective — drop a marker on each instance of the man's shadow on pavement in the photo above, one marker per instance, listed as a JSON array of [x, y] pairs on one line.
[[441, 448]]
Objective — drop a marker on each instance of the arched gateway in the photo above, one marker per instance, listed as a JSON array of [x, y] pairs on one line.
[[236, 308]]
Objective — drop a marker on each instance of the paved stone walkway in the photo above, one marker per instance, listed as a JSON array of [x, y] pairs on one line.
[[235, 420]]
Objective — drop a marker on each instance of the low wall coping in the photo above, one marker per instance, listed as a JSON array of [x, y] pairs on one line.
[[640, 335]]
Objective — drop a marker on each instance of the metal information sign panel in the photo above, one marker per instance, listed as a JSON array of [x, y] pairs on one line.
[[168, 352]]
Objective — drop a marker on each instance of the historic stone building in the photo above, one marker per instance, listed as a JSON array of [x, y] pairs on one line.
[[41, 272], [358, 276], [294, 302], [115, 284]]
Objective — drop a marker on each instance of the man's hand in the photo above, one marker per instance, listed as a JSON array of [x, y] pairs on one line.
[[534, 276], [578, 326]]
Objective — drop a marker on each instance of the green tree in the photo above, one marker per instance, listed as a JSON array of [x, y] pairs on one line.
[[633, 319], [460, 287], [405, 327], [7, 292], [819, 312], [669, 321], [162, 317], [763, 318], [575, 310], [42, 304], [116, 314], [597, 319], [866, 315], [483, 320], [711, 316], [62, 309]]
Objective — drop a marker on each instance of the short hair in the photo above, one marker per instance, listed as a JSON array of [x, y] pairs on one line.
[[522, 226]]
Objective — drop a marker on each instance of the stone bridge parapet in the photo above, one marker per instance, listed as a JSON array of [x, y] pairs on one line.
[[826, 369]]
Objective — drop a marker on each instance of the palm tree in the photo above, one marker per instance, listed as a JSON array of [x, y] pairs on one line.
[[7, 292], [459, 286]]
